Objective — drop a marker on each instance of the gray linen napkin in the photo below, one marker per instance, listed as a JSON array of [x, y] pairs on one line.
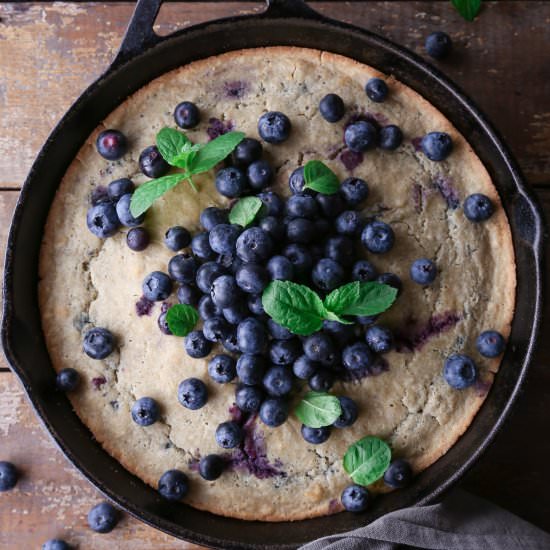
[[461, 522]]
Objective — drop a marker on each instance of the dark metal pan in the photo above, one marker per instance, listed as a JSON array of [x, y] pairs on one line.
[[144, 56]]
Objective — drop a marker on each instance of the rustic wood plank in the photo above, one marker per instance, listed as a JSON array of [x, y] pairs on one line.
[[50, 52]]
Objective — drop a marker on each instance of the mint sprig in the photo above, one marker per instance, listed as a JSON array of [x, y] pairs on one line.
[[318, 409], [181, 319], [467, 8], [319, 177], [300, 309], [366, 460], [244, 212], [193, 158]]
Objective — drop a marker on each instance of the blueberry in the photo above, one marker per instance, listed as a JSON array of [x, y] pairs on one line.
[[332, 108], [328, 274], [390, 279], [438, 45], [67, 379], [251, 369], [254, 245], [212, 216], [223, 238], [349, 413], [355, 498], [343, 334], [200, 245], [367, 320], [188, 294], [274, 127], [302, 206], [490, 343], [377, 90], [357, 356], [163, 324], [322, 228], [111, 144], [103, 517], [252, 278], [300, 230], [459, 371], [299, 257], [277, 381], [349, 223], [211, 467], [102, 220], [274, 204], [322, 380], [192, 393], [151, 162], [296, 181], [251, 336], [320, 347], [398, 474], [145, 411], [284, 352], [255, 305], [259, 175], [196, 345], [173, 485], [363, 271], [176, 238], [478, 207], [236, 313], [249, 398], [216, 329], [423, 271], [304, 368], [186, 115], [120, 187], [221, 368], [229, 435], [280, 268], [98, 343], [55, 544], [246, 152], [208, 309], [354, 191], [138, 239], [379, 339], [274, 412], [340, 249], [8, 476], [315, 436], [361, 136], [330, 205], [183, 268], [231, 182], [207, 274], [437, 146], [277, 331], [123, 212], [273, 227], [230, 343], [378, 237], [157, 286], [391, 137], [224, 291]]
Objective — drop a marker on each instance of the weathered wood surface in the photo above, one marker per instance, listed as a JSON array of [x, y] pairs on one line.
[[50, 52]]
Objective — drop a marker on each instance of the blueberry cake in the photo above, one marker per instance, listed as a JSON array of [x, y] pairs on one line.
[[276, 283]]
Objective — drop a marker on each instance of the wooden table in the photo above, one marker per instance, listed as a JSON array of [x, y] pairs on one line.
[[49, 52]]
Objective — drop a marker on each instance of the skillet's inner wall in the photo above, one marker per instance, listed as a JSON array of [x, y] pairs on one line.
[[87, 282]]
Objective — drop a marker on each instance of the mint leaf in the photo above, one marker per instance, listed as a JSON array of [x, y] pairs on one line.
[[215, 151], [359, 298], [147, 193], [187, 155], [318, 409], [320, 178], [295, 307], [171, 143], [245, 211], [467, 8], [181, 319], [367, 459]]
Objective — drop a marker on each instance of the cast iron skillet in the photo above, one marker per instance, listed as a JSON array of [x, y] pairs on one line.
[[144, 56]]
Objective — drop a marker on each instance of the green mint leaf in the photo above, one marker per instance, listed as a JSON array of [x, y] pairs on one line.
[[295, 307], [320, 178], [245, 211], [147, 193], [367, 459], [186, 157], [181, 319], [467, 8], [171, 143], [359, 298], [318, 409], [215, 151], [331, 316]]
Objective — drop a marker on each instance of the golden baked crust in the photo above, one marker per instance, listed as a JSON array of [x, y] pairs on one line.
[[86, 281]]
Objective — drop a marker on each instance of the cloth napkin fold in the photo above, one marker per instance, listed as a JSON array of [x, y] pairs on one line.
[[460, 522]]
